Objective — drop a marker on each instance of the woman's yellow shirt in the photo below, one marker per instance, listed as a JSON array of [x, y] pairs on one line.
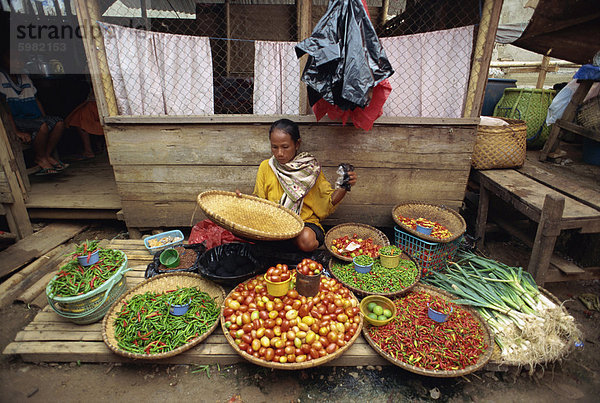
[[317, 202]]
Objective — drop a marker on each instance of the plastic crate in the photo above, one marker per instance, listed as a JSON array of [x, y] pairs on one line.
[[174, 233], [430, 255]]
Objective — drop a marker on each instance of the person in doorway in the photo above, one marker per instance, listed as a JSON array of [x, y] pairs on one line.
[[85, 119], [28, 119], [294, 180]]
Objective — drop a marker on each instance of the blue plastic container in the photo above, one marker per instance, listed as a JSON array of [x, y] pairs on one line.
[[178, 310], [438, 316], [591, 151], [362, 268], [94, 257], [424, 230], [175, 233], [493, 92]]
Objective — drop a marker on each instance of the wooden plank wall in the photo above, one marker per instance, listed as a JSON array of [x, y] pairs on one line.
[[161, 168]]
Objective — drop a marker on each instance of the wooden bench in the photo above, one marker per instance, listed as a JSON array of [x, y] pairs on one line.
[[553, 212]]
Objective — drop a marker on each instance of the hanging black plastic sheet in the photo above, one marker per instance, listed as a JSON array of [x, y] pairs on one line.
[[346, 60]]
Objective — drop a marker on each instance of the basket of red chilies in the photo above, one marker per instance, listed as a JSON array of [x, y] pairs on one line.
[[83, 293]]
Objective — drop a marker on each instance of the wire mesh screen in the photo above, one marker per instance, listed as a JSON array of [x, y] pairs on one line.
[[237, 56]]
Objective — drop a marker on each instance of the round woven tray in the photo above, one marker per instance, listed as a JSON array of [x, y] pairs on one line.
[[361, 230], [498, 360], [440, 214], [364, 293], [249, 216], [157, 284], [483, 359], [290, 365]]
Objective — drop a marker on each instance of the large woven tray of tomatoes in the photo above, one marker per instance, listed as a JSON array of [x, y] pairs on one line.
[[292, 331]]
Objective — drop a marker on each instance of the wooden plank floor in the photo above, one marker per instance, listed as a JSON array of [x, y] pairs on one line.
[[51, 338]]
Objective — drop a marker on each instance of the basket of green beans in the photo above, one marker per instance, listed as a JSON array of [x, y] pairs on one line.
[[140, 325], [83, 294]]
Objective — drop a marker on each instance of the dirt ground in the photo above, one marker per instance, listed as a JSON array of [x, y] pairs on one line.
[[574, 379]]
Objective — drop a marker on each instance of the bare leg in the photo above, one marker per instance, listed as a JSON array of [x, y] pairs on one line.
[[307, 240], [53, 139], [39, 148], [87, 143]]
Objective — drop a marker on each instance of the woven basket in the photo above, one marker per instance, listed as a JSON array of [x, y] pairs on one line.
[[499, 361], [500, 146], [92, 306], [291, 365], [363, 293], [160, 284], [588, 115], [361, 230], [250, 217], [440, 214], [483, 359]]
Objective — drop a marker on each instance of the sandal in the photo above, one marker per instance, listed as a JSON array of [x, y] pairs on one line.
[[60, 166], [46, 172]]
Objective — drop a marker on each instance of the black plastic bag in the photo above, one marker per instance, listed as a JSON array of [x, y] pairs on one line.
[[230, 264], [346, 60], [153, 267]]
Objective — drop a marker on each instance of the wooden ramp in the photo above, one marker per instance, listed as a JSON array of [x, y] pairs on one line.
[[51, 338]]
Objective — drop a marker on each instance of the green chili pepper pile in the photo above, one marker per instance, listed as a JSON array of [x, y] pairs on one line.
[[74, 279], [363, 260], [415, 339], [145, 326], [380, 279]]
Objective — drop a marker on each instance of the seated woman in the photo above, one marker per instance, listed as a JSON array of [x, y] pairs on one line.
[[295, 180], [85, 119]]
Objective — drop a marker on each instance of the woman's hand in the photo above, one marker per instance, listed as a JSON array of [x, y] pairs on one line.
[[352, 178], [238, 193]]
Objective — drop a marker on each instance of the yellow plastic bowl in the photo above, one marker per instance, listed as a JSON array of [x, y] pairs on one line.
[[384, 302], [277, 289], [389, 262]]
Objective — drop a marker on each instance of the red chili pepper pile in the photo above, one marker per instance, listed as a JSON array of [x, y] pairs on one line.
[[416, 340], [438, 230]]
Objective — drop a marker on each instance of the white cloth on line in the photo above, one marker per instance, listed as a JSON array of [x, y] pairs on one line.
[[431, 72], [276, 78], [159, 74]]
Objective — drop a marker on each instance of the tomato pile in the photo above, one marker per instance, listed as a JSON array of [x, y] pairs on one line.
[[309, 267], [292, 328], [279, 273], [438, 230], [367, 246]]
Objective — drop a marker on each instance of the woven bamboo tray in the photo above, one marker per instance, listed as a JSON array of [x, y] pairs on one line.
[[363, 293], [440, 214], [483, 359], [362, 230], [569, 345], [161, 283], [290, 365], [250, 217]]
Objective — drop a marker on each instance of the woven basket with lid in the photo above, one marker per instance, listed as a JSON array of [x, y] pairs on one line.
[[440, 214], [249, 216]]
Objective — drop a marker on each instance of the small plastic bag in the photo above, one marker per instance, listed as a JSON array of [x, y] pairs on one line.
[[343, 177]]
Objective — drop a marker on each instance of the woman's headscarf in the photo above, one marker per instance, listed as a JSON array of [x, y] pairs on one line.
[[296, 178]]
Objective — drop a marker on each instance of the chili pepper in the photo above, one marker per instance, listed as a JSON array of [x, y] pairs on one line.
[[379, 279]]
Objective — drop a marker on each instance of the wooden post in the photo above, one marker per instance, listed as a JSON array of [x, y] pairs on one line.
[[228, 36], [385, 6], [17, 215], [484, 45], [304, 30], [547, 231], [87, 15], [543, 71], [482, 214]]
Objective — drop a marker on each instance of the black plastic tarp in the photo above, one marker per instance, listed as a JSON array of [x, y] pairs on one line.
[[346, 60]]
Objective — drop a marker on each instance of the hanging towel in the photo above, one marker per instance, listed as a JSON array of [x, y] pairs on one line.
[[432, 72], [159, 74], [276, 78]]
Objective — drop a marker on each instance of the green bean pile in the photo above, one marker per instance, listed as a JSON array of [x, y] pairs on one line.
[[380, 279], [145, 326], [74, 279]]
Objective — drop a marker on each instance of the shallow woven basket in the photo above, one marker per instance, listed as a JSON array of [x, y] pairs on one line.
[[249, 216], [483, 359], [363, 293], [361, 230], [290, 365], [158, 284], [588, 115], [498, 360], [440, 214], [500, 146]]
